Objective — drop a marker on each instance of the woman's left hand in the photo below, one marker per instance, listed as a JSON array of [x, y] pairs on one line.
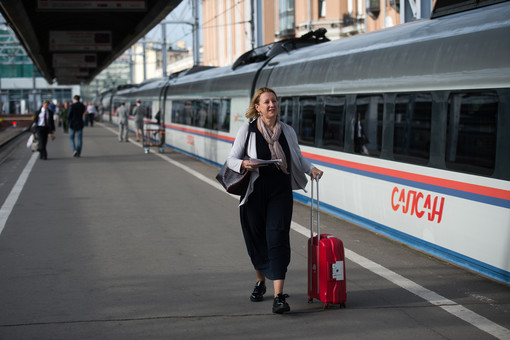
[[316, 173]]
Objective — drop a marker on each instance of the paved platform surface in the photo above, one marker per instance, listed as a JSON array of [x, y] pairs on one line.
[[119, 244]]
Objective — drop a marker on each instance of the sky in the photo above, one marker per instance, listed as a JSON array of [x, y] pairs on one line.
[[176, 32]]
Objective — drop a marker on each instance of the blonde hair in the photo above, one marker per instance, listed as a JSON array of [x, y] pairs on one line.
[[252, 112]]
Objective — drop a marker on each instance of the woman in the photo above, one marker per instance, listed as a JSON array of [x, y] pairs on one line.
[[266, 208]]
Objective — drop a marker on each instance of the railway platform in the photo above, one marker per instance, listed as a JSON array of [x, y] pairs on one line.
[[7, 134], [120, 244]]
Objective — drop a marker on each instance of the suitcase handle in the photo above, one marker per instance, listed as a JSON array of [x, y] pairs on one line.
[[312, 206], [318, 228]]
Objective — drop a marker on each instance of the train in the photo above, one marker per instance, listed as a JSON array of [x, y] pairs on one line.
[[432, 97]]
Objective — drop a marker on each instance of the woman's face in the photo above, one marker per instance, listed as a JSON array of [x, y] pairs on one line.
[[267, 106]]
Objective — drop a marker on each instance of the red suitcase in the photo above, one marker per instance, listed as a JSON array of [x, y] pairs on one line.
[[326, 276]]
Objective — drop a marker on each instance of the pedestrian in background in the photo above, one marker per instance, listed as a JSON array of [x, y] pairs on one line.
[[91, 112], [63, 116], [266, 207], [139, 113], [76, 116], [44, 126], [53, 108], [123, 113], [56, 114]]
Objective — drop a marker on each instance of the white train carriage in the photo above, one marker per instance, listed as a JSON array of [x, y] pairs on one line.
[[434, 99]]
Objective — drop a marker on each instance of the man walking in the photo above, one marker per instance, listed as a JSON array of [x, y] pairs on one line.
[[75, 116], [139, 113], [123, 113], [44, 126]]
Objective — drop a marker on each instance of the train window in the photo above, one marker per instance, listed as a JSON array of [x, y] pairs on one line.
[[411, 140], [471, 132], [224, 116], [333, 123], [285, 109], [367, 125], [199, 114], [191, 112], [205, 113], [179, 111], [190, 109], [306, 135], [148, 108], [213, 116]]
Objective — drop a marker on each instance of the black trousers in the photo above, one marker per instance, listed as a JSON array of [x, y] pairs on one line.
[[265, 220], [42, 136]]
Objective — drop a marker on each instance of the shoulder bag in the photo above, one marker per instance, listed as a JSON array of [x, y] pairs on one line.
[[234, 182]]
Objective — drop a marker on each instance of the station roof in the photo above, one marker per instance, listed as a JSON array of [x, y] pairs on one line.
[[71, 41]]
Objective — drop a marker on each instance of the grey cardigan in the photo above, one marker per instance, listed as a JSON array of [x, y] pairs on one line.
[[299, 165]]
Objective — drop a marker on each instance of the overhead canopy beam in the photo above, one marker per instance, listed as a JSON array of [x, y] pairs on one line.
[[90, 33]]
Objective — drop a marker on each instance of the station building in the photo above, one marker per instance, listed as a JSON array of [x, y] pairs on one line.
[[22, 89], [228, 31]]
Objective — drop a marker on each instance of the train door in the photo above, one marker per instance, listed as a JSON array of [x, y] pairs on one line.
[[161, 115], [162, 107]]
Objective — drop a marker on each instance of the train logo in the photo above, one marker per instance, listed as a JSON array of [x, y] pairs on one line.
[[416, 203]]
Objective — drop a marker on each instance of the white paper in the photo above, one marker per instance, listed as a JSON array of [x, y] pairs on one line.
[[262, 162]]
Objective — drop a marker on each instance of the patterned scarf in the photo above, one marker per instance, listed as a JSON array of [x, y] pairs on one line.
[[274, 145]]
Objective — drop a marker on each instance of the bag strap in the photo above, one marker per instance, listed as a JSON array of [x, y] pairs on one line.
[[251, 128]]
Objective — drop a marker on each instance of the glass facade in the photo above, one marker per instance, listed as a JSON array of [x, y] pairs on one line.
[[287, 18], [16, 96]]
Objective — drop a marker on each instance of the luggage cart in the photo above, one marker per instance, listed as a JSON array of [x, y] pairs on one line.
[[154, 135]]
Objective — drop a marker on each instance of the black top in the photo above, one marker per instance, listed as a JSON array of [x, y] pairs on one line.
[[75, 116], [263, 152]]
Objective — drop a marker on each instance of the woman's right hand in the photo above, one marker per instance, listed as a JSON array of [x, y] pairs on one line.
[[316, 173], [249, 166]]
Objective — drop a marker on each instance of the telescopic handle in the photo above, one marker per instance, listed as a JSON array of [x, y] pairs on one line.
[[318, 226]]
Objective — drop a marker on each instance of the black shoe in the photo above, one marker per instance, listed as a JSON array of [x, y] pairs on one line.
[[258, 291], [280, 305]]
